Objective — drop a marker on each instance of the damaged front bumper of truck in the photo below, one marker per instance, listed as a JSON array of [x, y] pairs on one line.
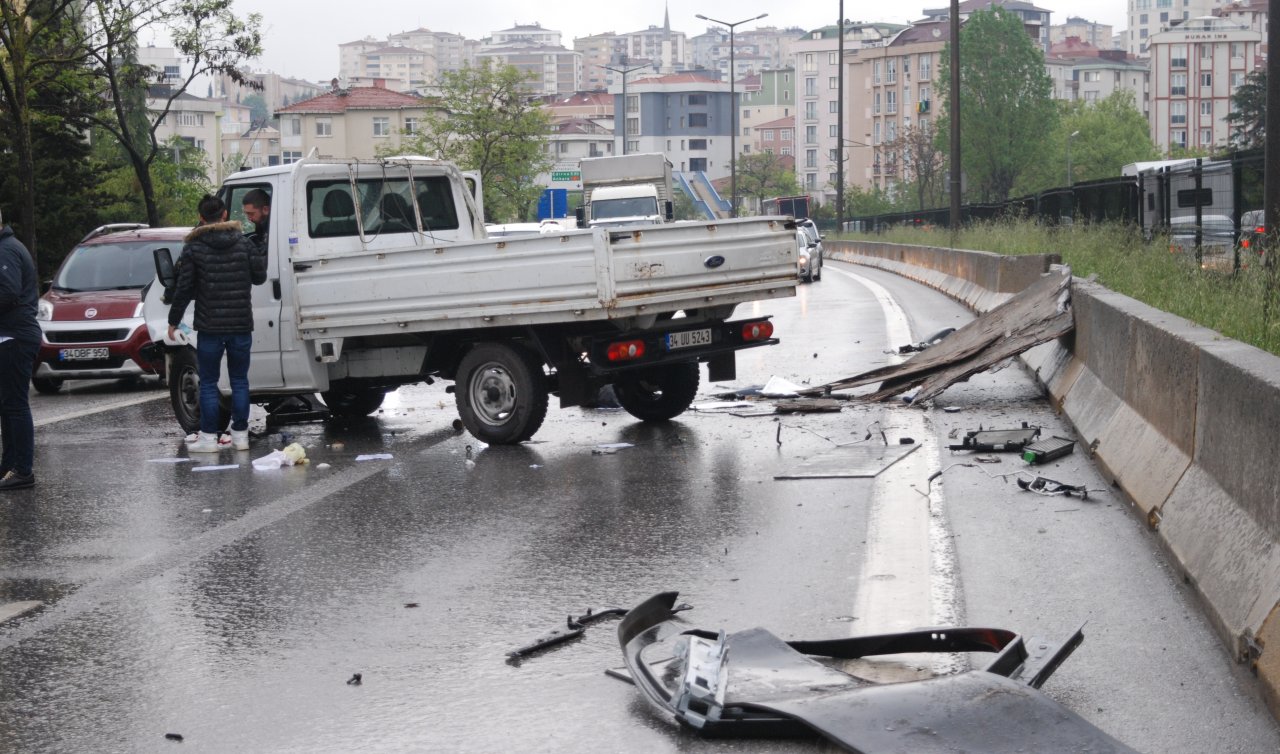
[[751, 683]]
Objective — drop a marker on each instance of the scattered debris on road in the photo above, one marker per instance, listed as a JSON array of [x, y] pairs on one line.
[[1040, 313], [1045, 486], [752, 683], [808, 406], [216, 467], [998, 440], [1048, 450], [932, 340], [355, 680], [572, 629], [291, 455], [849, 461], [374, 457], [173, 737]]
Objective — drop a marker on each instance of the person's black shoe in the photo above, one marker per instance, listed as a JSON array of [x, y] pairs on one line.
[[12, 480]]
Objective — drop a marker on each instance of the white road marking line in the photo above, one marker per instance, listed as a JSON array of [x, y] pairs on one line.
[[122, 403]]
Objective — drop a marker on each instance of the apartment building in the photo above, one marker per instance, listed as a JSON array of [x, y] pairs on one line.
[[684, 115], [599, 53], [1150, 17], [665, 50], [1036, 19], [349, 122], [551, 69], [765, 97], [891, 89], [276, 90], [1084, 72], [194, 120], [818, 146], [1092, 33], [1195, 68], [777, 137]]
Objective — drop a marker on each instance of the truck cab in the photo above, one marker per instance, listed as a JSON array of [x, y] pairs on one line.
[[613, 206]]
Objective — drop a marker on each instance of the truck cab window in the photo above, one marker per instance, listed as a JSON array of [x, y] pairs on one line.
[[331, 212]]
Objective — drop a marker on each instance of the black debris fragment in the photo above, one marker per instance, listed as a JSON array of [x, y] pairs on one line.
[[995, 440], [174, 737], [354, 680], [932, 340], [1046, 486]]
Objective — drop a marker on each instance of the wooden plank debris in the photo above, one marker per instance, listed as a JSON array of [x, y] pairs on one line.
[[1040, 313]]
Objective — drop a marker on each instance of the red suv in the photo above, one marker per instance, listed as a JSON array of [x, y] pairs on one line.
[[91, 316]]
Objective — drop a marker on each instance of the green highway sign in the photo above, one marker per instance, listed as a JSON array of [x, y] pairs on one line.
[[566, 175]]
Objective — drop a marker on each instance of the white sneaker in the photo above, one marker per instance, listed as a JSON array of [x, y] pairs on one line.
[[240, 439], [205, 443]]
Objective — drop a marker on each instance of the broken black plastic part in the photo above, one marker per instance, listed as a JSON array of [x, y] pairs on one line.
[[751, 683], [1051, 449], [1046, 486], [996, 440], [573, 628]]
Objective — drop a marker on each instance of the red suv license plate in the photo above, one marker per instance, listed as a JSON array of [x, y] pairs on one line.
[[83, 354]]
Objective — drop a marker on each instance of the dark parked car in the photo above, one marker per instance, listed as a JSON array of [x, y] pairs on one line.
[[91, 316]]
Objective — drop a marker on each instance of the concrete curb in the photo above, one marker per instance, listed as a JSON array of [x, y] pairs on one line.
[[1180, 418]]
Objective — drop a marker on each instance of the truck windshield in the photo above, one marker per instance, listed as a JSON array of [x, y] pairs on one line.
[[640, 206], [109, 266]]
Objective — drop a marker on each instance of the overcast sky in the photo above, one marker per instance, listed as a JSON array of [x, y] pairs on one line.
[[301, 37]]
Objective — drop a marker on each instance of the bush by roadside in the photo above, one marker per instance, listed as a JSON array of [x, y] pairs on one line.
[[1244, 306]]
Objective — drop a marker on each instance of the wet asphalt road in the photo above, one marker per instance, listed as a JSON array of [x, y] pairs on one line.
[[232, 606]]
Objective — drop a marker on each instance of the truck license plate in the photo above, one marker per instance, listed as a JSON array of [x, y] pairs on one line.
[[83, 354], [688, 339]]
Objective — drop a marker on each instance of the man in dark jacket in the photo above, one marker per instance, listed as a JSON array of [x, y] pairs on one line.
[[19, 343], [257, 210], [218, 268]]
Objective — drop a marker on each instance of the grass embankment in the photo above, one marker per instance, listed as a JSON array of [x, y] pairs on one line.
[[1244, 306]]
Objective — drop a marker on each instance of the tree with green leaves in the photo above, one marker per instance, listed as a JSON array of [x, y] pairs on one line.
[[40, 54], [1248, 116], [765, 174], [1108, 135], [1005, 101], [923, 163], [487, 122], [207, 33]]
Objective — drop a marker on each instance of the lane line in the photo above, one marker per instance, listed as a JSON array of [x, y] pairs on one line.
[[908, 575], [98, 592], [122, 403]]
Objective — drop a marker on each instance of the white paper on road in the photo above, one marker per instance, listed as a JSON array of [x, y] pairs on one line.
[[607, 445], [171, 460], [374, 457], [777, 387], [223, 467]]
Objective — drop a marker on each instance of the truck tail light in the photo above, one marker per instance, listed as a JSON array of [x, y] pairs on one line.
[[625, 350], [761, 330]]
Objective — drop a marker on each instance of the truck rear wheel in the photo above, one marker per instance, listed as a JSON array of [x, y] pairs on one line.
[[660, 393], [501, 393], [184, 393], [353, 404]]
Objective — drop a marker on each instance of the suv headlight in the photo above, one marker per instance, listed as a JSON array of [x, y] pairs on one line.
[[44, 310]]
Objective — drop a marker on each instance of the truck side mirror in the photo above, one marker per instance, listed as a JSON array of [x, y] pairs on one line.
[[669, 210], [164, 266], [581, 214]]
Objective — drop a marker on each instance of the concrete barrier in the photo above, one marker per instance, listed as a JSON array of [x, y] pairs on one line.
[[1184, 421]]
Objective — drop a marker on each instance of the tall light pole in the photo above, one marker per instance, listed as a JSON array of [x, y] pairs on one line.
[[1070, 181], [623, 72], [840, 123], [733, 116]]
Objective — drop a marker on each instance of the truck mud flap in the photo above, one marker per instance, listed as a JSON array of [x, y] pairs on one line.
[[751, 683]]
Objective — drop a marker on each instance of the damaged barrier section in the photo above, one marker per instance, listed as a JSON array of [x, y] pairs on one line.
[[1181, 419]]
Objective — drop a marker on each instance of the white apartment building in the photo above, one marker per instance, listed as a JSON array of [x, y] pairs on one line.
[[817, 140], [532, 34], [1195, 68], [1150, 17], [552, 70], [193, 119]]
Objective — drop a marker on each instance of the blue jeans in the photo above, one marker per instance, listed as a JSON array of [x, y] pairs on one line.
[[209, 350], [17, 432]]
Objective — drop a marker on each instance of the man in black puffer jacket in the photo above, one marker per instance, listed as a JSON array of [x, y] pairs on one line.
[[19, 342], [218, 268]]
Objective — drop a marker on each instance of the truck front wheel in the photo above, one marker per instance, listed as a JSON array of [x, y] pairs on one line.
[[501, 393], [660, 393]]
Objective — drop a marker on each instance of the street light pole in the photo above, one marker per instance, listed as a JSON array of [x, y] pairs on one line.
[[623, 72], [1070, 180], [840, 123], [733, 115]]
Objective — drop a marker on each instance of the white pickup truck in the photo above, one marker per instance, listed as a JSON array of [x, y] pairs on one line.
[[380, 275]]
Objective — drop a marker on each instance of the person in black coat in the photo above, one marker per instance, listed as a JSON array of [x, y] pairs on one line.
[[19, 343], [217, 269]]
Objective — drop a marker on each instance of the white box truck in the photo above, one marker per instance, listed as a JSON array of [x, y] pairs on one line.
[[631, 189]]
